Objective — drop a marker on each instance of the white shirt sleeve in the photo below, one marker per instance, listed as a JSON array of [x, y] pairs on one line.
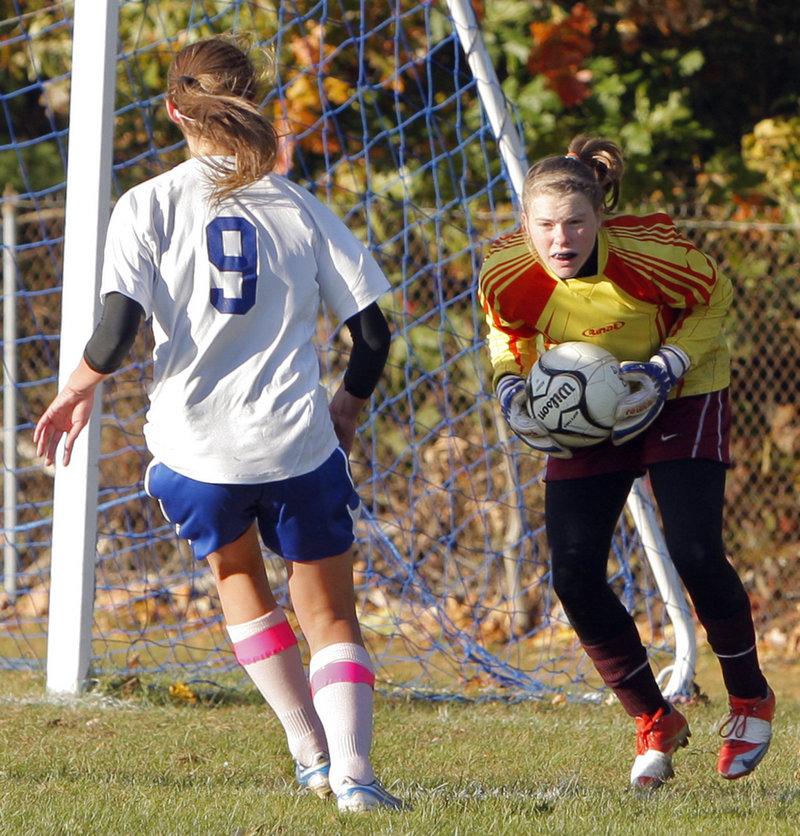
[[348, 276], [129, 262]]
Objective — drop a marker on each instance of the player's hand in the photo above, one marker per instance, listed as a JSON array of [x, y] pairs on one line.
[[649, 384], [67, 414], [345, 409], [514, 405]]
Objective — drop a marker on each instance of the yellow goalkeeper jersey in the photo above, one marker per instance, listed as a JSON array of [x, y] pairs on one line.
[[652, 287]]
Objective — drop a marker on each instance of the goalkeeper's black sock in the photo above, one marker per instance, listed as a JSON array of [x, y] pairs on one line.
[[733, 641], [623, 665]]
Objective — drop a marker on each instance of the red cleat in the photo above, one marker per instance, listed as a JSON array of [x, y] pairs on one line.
[[747, 732], [657, 737]]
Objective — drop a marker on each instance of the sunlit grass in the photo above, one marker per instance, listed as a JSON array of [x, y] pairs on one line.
[[160, 763]]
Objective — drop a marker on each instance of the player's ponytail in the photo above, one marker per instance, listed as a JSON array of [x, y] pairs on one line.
[[592, 166], [605, 159], [213, 85]]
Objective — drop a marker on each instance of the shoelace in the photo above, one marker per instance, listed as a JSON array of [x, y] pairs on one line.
[[644, 728], [736, 723]]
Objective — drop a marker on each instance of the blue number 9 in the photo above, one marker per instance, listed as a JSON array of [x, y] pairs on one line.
[[246, 263]]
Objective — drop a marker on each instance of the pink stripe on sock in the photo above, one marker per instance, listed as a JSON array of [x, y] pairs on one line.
[[341, 672], [265, 644]]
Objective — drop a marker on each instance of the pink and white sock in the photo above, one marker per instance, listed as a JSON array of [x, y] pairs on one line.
[[342, 681], [267, 649]]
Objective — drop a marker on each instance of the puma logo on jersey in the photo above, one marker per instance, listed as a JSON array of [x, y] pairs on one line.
[[596, 332]]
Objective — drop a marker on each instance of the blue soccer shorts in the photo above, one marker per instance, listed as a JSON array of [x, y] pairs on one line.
[[303, 518]]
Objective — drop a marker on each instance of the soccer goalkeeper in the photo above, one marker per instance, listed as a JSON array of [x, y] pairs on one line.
[[635, 287], [231, 262]]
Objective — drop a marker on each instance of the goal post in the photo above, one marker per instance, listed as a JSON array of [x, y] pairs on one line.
[[74, 550]]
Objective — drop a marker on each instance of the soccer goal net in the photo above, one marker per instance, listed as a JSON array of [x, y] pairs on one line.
[[391, 114]]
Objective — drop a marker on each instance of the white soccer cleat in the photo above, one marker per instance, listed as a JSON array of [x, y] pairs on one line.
[[657, 737], [359, 798], [747, 732], [315, 777]]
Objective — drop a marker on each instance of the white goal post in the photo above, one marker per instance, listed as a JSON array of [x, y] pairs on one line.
[[72, 573]]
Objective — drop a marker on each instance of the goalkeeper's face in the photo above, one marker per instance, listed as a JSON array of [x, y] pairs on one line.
[[562, 229]]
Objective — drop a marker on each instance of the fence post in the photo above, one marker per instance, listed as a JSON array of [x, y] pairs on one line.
[[10, 285]]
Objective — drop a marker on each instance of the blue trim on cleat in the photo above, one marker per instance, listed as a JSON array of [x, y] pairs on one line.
[[747, 732], [358, 798], [315, 777]]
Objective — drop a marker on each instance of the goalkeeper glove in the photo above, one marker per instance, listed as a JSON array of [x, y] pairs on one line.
[[513, 398], [650, 383]]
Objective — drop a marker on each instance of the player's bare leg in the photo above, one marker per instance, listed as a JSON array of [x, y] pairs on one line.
[[266, 646], [341, 675]]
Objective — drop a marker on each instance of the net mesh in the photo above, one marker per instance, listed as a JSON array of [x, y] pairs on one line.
[[381, 120]]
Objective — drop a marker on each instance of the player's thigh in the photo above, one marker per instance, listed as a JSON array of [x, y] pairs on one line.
[[241, 579], [323, 598], [581, 514]]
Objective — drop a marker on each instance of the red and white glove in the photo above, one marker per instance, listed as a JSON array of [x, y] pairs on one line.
[[514, 404], [649, 385]]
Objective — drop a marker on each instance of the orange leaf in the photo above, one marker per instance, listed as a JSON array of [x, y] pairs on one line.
[[558, 51]]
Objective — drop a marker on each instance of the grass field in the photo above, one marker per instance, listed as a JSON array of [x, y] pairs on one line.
[[150, 765]]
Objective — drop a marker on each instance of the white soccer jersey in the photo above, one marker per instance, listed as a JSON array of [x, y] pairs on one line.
[[234, 293]]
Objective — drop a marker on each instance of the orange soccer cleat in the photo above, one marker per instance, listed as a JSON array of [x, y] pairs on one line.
[[657, 737]]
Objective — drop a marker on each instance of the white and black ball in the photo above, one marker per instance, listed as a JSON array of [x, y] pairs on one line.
[[573, 391]]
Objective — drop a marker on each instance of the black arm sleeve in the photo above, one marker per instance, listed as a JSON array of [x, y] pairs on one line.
[[115, 333], [371, 339]]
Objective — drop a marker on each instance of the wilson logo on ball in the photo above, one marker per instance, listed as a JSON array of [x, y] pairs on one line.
[[557, 399], [573, 391]]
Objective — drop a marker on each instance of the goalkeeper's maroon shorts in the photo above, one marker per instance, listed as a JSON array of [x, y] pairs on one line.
[[694, 427]]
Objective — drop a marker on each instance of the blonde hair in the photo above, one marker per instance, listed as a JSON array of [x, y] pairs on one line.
[[214, 86], [592, 166]]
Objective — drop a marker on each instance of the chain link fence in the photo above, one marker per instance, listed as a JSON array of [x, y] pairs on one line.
[[762, 525]]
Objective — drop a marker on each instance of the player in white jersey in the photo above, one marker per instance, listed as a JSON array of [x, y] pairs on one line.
[[231, 261]]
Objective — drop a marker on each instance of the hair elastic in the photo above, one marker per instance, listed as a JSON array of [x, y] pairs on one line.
[[572, 155]]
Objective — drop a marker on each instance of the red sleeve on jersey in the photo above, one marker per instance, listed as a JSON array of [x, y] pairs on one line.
[[514, 287]]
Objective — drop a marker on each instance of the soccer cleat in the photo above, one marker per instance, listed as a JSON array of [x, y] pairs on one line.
[[657, 737], [747, 732], [315, 777], [359, 798]]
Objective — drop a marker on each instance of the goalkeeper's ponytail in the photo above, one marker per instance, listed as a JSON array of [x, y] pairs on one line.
[[592, 166], [605, 159]]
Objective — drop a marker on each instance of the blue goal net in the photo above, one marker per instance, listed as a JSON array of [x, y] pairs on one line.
[[383, 119]]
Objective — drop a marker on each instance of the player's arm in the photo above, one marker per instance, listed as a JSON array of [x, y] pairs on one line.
[[371, 339], [705, 300], [697, 331], [70, 410], [114, 335]]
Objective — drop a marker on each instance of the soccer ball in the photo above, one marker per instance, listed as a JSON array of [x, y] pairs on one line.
[[573, 390]]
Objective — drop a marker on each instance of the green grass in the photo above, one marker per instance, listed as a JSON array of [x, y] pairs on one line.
[[145, 765]]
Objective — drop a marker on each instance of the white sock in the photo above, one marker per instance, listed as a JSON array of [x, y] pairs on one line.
[[341, 683], [267, 649]]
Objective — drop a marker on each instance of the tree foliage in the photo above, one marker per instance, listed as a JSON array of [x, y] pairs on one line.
[[679, 84], [689, 87]]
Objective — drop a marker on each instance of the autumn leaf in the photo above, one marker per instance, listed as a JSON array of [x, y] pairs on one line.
[[181, 692], [559, 50]]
